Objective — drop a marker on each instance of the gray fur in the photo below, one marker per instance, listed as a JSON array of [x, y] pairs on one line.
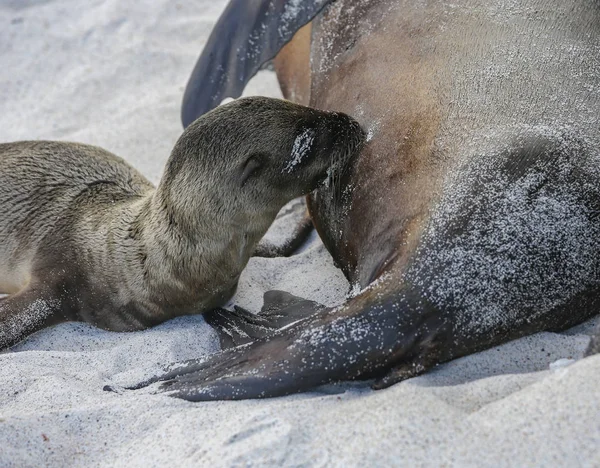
[[85, 237]]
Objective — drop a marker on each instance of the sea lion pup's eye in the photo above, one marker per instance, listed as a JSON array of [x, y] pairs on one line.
[[251, 167]]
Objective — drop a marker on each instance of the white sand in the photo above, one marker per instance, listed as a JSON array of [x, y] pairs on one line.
[[113, 75]]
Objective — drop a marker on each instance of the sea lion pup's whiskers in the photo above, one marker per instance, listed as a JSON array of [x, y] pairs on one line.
[[86, 237]]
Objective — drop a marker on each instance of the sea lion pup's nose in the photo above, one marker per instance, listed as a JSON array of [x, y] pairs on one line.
[[343, 127], [358, 131], [345, 121]]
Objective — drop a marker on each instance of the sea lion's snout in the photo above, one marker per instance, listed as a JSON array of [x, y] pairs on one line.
[[268, 151], [341, 138], [344, 132], [350, 134]]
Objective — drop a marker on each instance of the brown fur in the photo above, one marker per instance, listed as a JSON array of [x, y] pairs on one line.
[[292, 65]]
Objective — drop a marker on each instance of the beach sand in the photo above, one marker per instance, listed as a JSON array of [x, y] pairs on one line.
[[112, 73]]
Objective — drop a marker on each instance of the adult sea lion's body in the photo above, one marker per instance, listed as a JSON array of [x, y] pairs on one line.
[[471, 217], [84, 236]]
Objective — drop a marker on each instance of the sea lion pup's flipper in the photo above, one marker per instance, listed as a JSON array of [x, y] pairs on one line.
[[248, 34], [299, 236], [364, 338], [26, 312], [280, 310]]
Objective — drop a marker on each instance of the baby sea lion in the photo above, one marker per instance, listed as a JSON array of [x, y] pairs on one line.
[[471, 217], [86, 237]]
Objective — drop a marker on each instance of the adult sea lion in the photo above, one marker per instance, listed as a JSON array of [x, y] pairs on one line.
[[84, 236], [471, 217]]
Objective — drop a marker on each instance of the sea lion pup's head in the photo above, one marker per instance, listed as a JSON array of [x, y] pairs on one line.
[[248, 158]]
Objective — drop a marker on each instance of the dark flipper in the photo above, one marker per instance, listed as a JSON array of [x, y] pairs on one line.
[[237, 327], [293, 214], [364, 338], [283, 308], [240, 327], [248, 34], [291, 245], [26, 312]]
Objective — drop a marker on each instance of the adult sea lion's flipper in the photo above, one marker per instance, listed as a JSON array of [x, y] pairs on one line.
[[369, 333], [237, 327], [26, 312], [240, 327], [248, 34]]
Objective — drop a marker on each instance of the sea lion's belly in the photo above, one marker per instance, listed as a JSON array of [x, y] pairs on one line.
[[378, 71]]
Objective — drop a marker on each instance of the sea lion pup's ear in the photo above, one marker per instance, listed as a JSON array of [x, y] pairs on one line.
[[248, 34]]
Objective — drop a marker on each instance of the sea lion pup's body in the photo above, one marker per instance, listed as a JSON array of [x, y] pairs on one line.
[[84, 236], [471, 217]]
